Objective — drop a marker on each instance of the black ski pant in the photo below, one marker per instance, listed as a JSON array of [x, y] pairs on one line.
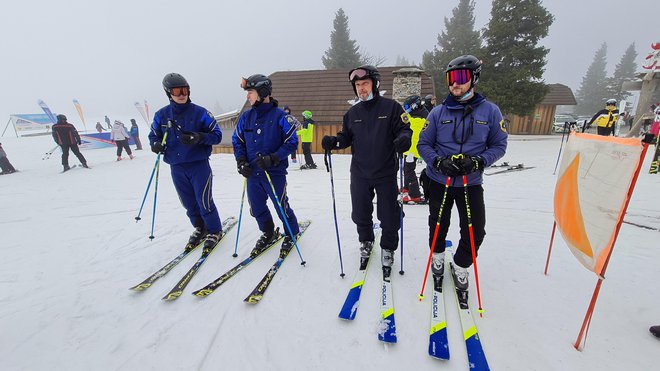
[[605, 131], [6, 166], [388, 209], [456, 195], [307, 151], [76, 151], [410, 177], [123, 144], [138, 144]]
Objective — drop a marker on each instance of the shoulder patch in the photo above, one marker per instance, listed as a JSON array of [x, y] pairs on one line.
[[210, 114], [426, 125], [504, 124]]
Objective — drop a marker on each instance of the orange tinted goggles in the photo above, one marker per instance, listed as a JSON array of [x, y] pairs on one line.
[[183, 90]]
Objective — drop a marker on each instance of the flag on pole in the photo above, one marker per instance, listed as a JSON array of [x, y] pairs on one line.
[[140, 109], [146, 109], [595, 183], [80, 112], [47, 110]]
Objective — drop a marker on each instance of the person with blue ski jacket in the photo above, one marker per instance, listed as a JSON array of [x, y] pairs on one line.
[[191, 133], [263, 139], [462, 136]]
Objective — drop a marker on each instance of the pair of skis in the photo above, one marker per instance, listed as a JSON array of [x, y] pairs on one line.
[[254, 297], [438, 342], [509, 169], [387, 324]]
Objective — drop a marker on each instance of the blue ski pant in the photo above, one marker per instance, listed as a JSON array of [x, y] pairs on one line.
[[193, 182], [259, 190], [388, 209]]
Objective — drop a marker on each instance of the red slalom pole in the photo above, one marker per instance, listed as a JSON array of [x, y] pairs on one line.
[[474, 250]]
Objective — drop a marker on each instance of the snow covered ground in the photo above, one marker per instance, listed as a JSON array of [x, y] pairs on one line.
[[71, 249]]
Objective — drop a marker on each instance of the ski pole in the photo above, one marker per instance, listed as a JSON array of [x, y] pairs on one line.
[[286, 221], [474, 250], [156, 164], [435, 238], [240, 217], [328, 164], [401, 209], [560, 147], [50, 153], [153, 216]]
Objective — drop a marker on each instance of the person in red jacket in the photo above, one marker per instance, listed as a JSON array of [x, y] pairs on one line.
[[67, 137]]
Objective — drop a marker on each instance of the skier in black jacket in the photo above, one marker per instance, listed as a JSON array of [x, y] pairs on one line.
[[376, 134], [67, 137]]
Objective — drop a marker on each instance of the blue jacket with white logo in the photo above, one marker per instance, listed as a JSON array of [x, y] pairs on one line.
[[472, 128], [265, 130], [184, 118]]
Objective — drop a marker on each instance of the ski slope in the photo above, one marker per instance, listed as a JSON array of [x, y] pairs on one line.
[[71, 249]]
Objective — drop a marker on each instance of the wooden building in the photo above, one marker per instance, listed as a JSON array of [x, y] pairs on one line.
[[540, 122]]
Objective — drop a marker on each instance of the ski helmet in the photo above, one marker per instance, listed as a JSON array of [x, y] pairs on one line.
[[307, 114], [260, 83], [611, 102], [362, 73], [61, 118], [465, 62], [174, 80]]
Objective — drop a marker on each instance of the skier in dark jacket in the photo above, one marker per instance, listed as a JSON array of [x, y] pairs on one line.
[[135, 134], [191, 133], [67, 137], [374, 130], [264, 137], [5, 165], [462, 136]]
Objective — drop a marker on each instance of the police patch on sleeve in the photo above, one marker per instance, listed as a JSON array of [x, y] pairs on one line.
[[426, 125], [504, 125]]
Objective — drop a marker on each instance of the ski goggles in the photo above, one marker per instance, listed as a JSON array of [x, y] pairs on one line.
[[459, 77], [182, 90], [358, 74]]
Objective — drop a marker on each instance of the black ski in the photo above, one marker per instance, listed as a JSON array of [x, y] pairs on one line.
[[255, 253], [258, 293]]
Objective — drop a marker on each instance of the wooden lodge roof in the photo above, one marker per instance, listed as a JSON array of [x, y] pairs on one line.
[[559, 95], [326, 92]]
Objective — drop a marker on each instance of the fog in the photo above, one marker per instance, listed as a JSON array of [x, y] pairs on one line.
[[110, 54]]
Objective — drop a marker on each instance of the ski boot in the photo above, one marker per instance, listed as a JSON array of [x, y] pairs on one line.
[[387, 259], [196, 238], [210, 242]]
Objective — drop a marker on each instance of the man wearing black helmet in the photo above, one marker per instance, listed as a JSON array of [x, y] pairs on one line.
[[191, 133], [462, 136], [605, 119], [374, 130], [263, 139], [429, 102], [67, 137]]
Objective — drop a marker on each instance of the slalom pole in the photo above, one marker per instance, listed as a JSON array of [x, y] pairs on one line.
[[286, 221], [435, 238], [552, 238], [156, 165], [562, 144], [474, 250], [240, 217], [401, 272], [328, 165]]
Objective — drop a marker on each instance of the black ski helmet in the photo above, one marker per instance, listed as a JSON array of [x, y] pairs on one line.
[[368, 72], [469, 62], [415, 106], [260, 83], [61, 118], [174, 80]]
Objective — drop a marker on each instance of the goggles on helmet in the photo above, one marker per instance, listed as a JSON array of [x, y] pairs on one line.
[[610, 104], [459, 77], [358, 74], [181, 90]]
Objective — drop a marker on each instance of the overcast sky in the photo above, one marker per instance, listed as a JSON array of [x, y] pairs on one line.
[[109, 54]]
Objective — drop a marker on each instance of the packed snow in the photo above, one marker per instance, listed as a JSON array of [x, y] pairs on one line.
[[71, 249]]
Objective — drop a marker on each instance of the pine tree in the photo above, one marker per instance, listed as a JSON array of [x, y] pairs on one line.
[[624, 71], [593, 92], [460, 38], [512, 74], [343, 52]]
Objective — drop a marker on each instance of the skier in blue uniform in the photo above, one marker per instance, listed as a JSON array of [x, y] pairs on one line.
[[191, 133], [264, 138], [463, 135]]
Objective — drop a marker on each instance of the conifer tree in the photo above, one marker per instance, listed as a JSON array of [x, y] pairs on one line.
[[343, 52], [593, 92], [623, 71]]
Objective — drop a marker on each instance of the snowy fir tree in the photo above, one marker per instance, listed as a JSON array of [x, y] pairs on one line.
[[593, 92], [343, 52], [624, 71]]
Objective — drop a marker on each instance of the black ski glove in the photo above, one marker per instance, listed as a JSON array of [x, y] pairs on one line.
[[402, 143], [191, 139], [447, 166], [244, 167], [265, 162], [329, 142], [157, 147], [470, 164]]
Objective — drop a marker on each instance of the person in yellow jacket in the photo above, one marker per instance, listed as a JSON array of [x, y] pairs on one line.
[[605, 119], [417, 113], [306, 134]]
